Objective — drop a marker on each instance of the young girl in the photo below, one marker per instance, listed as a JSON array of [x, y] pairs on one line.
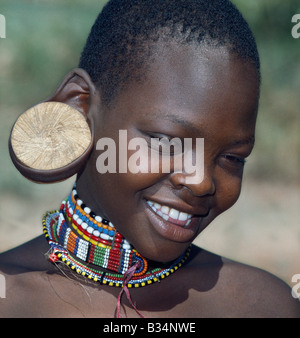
[[121, 242]]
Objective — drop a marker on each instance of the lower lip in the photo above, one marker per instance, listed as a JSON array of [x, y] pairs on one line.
[[172, 231]]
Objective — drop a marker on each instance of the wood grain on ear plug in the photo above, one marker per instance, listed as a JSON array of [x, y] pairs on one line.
[[50, 135]]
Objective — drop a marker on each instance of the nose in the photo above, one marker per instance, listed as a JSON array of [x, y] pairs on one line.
[[198, 186]]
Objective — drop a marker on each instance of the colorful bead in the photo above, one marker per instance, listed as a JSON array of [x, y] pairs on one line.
[[76, 230]]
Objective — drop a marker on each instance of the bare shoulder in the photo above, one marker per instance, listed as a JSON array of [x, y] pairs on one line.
[[265, 294], [29, 256], [240, 290], [23, 271]]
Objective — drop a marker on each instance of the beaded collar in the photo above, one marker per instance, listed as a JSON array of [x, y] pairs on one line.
[[79, 238]]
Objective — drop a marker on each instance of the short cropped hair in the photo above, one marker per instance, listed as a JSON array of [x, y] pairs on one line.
[[119, 44]]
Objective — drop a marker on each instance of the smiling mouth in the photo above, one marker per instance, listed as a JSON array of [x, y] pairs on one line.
[[171, 215]]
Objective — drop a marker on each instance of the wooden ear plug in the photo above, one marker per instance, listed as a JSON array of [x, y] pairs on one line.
[[50, 142]]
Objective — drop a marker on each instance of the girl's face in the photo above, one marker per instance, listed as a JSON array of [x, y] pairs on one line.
[[187, 93]]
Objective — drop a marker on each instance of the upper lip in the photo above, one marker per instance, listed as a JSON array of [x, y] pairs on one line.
[[199, 211]]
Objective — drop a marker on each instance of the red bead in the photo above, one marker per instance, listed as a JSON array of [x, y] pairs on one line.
[[103, 241], [95, 238], [53, 258]]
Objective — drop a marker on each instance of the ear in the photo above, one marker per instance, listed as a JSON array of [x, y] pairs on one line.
[[77, 90], [52, 141]]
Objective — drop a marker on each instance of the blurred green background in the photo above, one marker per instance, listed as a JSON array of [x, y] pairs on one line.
[[43, 42]]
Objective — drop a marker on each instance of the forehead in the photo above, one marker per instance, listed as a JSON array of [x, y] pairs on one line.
[[196, 84], [206, 72]]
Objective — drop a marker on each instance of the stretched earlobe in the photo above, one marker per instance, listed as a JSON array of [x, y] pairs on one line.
[[52, 141]]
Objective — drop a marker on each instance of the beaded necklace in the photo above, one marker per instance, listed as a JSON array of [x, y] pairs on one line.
[[77, 235]]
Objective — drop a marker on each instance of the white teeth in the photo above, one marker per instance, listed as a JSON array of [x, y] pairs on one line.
[[159, 213], [165, 212], [165, 217], [174, 213], [157, 206], [165, 209], [183, 216]]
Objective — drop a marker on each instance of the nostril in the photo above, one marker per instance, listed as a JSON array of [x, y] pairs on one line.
[[197, 188]]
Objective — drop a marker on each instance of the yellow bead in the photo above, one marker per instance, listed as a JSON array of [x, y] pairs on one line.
[[86, 237]]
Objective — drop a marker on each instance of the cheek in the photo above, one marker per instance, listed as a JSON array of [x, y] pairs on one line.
[[227, 192]]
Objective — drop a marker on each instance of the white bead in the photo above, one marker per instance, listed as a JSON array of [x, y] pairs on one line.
[[126, 246], [84, 225], [87, 210], [96, 233], [90, 230], [105, 236], [98, 219]]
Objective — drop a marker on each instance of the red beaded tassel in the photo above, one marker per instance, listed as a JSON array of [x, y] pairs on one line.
[[127, 277]]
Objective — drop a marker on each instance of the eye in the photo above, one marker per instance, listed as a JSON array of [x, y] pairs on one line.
[[233, 164], [236, 160]]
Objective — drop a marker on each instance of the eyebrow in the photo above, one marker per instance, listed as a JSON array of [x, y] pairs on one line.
[[249, 140], [188, 125]]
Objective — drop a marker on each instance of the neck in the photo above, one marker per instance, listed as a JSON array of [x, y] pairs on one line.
[[92, 246]]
